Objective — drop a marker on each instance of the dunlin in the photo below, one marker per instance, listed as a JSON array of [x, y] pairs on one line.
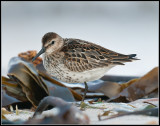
[[78, 61]]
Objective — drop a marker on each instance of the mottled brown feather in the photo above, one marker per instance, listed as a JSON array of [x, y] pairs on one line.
[[80, 55]]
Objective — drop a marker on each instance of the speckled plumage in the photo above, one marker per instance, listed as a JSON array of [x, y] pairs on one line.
[[77, 61]]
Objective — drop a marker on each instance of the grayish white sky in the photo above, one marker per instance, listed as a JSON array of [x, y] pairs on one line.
[[124, 27]]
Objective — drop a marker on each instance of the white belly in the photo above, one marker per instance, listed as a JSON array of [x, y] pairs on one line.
[[64, 74], [91, 75]]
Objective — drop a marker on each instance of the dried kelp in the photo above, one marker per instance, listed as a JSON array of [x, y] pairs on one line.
[[104, 89], [29, 55], [11, 90], [148, 112], [129, 91], [68, 114], [139, 88], [24, 74], [53, 81], [114, 78], [26, 83], [109, 88]]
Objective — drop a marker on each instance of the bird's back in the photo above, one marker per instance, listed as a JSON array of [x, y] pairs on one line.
[[80, 55]]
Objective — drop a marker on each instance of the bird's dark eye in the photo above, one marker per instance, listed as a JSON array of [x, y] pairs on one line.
[[52, 42]]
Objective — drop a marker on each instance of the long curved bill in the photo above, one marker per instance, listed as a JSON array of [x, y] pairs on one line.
[[39, 53]]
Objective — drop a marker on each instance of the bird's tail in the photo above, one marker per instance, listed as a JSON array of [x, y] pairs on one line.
[[132, 57], [124, 58]]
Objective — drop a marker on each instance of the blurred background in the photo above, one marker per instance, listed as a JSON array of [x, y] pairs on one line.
[[124, 27]]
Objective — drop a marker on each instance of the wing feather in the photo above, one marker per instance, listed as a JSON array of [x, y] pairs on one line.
[[80, 55]]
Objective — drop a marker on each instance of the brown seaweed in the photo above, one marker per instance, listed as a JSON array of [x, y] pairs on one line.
[[68, 114], [139, 88], [27, 83]]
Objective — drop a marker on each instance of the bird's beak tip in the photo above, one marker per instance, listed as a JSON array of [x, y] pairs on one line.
[[39, 53]]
